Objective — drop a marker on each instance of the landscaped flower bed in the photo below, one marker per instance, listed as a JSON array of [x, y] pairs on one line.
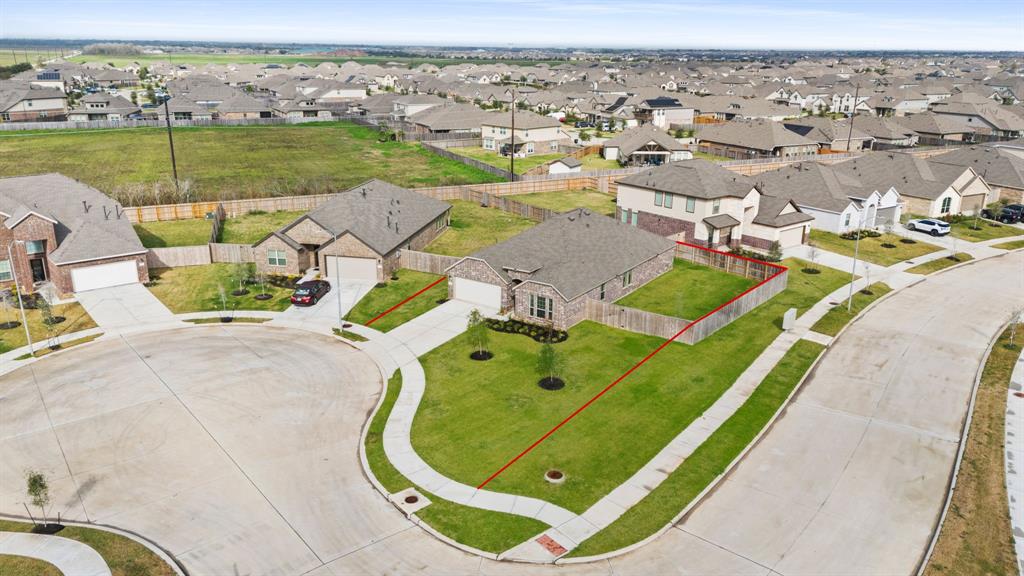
[[542, 334]]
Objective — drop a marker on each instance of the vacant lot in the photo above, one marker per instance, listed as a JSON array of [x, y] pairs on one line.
[[382, 299], [596, 201], [498, 161], [133, 165], [884, 250], [474, 227], [687, 291], [476, 416]]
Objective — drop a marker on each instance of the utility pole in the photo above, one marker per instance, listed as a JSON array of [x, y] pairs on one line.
[[853, 112], [170, 140], [17, 288], [512, 149], [856, 254]]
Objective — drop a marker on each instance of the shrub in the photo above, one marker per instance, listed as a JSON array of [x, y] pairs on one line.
[[542, 334], [852, 235]]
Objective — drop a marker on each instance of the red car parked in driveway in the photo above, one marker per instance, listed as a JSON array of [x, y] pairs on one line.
[[309, 293]]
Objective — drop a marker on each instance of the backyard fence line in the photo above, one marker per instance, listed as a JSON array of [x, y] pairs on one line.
[[725, 315], [157, 123], [473, 162], [633, 319], [739, 266], [199, 255], [426, 262], [218, 222], [231, 253]]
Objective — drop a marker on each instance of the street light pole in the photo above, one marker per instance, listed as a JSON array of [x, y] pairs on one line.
[[17, 288], [856, 253], [512, 149], [170, 139], [337, 285]]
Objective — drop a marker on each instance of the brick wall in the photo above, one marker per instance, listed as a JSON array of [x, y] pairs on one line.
[[309, 232], [31, 228], [295, 261], [478, 270]]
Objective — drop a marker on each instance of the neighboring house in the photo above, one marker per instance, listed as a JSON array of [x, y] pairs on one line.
[[103, 106], [533, 133], [644, 146], [546, 274], [755, 138], [446, 119], [838, 202], [24, 102], [113, 78], [936, 126], [700, 202], [357, 234], [412, 104], [983, 116], [567, 165], [663, 112], [928, 188], [1001, 169], [67, 234], [885, 131], [830, 134]]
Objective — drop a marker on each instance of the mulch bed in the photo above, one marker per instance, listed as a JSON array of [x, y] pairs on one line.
[[551, 383], [263, 296], [482, 355], [810, 271], [542, 334], [9, 325]]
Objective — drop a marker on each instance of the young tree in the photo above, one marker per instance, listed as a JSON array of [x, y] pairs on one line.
[[812, 253], [549, 362], [38, 489], [49, 321], [775, 252], [241, 274], [135, 98], [479, 333]]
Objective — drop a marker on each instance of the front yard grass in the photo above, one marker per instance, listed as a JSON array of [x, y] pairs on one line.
[[595, 201], [379, 300], [124, 556], [976, 536], [494, 159], [837, 316], [940, 263], [687, 291], [170, 233], [252, 227], [76, 319], [474, 227], [964, 229], [1013, 245], [476, 416], [481, 529], [871, 249], [197, 289], [11, 564]]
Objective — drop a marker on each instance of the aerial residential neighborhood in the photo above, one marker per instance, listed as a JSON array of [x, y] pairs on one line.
[[469, 288]]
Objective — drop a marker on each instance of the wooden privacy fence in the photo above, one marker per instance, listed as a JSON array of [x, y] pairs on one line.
[[722, 317], [178, 256], [633, 319], [444, 153], [740, 266], [233, 253], [426, 262]]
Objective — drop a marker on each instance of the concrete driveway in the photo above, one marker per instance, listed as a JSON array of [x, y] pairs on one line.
[[235, 448], [123, 306], [330, 308]]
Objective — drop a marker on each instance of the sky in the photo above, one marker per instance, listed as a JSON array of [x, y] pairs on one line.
[[764, 24]]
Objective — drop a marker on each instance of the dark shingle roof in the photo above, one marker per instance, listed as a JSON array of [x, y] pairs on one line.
[[697, 178], [997, 166], [756, 135], [633, 139]]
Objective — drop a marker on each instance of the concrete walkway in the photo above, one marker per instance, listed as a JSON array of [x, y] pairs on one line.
[[124, 306], [1014, 447], [71, 557], [332, 307]]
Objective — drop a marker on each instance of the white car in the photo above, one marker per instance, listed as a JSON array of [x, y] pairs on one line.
[[930, 225]]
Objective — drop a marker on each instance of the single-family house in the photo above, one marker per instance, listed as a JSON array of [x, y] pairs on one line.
[[25, 102], [357, 234], [533, 133], [663, 112], [700, 202], [546, 274], [755, 138], [936, 127], [65, 234], [103, 106], [114, 78], [830, 134], [998, 166], [645, 145]]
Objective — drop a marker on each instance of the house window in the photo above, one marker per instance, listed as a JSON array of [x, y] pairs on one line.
[[945, 204], [627, 278], [540, 306], [5, 117], [529, 147], [659, 198], [691, 204], [716, 206], [35, 246], [668, 200], [625, 216], [554, 145], [5, 270], [488, 144], [276, 258], [601, 297], [846, 221]]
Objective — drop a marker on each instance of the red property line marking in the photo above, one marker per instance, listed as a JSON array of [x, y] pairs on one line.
[[780, 269], [399, 305]]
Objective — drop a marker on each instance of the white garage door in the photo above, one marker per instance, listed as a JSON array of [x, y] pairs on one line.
[[350, 268], [791, 237], [104, 275], [480, 293]]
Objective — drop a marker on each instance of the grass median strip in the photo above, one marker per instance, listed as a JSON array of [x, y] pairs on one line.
[[709, 460], [976, 536], [837, 317], [380, 299], [70, 344], [1012, 245], [482, 529], [940, 263]]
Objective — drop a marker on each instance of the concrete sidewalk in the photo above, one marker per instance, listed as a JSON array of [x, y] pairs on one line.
[[124, 307], [71, 557]]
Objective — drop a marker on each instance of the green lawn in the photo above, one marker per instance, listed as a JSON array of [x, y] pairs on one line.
[[837, 317], [174, 233], [596, 162], [1013, 245], [474, 227], [76, 319], [10, 564], [482, 529], [476, 416], [124, 556], [254, 226], [964, 230], [378, 300], [597, 202], [940, 263], [494, 159], [709, 460], [687, 291], [871, 249], [227, 162], [196, 289]]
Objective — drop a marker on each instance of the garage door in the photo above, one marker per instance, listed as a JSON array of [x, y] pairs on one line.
[[886, 216], [479, 293], [791, 237], [104, 275], [350, 268]]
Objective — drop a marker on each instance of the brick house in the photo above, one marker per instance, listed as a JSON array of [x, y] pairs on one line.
[[65, 234], [357, 235], [533, 133], [546, 274], [700, 202]]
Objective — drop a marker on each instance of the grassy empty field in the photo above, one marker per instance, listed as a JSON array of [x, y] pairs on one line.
[[687, 291], [872, 249], [379, 300], [133, 165], [596, 201], [976, 536], [174, 233], [75, 319], [474, 227], [940, 263], [197, 289], [476, 416], [494, 159]]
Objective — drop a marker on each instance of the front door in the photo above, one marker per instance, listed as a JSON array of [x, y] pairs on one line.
[[38, 269]]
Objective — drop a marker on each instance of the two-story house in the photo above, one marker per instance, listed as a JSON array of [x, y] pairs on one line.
[[533, 133], [103, 106]]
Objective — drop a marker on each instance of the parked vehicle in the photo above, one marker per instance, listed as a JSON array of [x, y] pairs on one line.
[[583, 124], [930, 225], [310, 292], [1010, 214]]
